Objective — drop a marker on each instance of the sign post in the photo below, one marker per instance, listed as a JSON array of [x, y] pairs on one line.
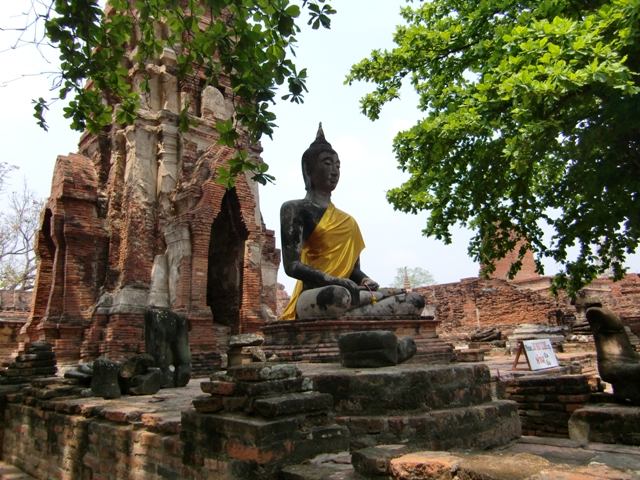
[[538, 353]]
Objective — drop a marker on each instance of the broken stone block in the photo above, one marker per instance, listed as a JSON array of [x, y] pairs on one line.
[[406, 349], [234, 404], [82, 378], [147, 383], [257, 354], [369, 349], [243, 355], [136, 365], [376, 460], [245, 340], [606, 424], [236, 357], [274, 387], [37, 347], [208, 403], [255, 372], [86, 368], [105, 378], [221, 376], [293, 404], [486, 334], [219, 388], [167, 341]]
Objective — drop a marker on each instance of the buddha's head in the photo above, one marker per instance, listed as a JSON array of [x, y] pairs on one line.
[[320, 162]]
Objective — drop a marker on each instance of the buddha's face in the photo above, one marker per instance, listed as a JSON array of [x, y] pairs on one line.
[[324, 172]]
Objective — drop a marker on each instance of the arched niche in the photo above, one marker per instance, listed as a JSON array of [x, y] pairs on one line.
[[226, 259]]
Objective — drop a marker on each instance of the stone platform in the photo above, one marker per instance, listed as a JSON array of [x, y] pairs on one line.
[[438, 407], [316, 340], [51, 431]]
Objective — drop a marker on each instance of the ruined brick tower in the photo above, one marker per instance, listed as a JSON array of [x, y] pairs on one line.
[[135, 219]]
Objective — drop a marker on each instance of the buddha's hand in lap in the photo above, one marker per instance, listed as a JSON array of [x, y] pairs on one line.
[[352, 287], [369, 284]]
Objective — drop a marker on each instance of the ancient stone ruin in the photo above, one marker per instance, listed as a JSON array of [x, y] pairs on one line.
[[150, 271], [136, 220]]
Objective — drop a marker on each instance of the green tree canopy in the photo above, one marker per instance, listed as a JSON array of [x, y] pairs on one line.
[[530, 118], [418, 277], [250, 41]]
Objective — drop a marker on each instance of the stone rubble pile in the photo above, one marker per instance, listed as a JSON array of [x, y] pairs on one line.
[[38, 360], [245, 348], [250, 388], [397, 462], [374, 348], [486, 334], [258, 417], [109, 379]]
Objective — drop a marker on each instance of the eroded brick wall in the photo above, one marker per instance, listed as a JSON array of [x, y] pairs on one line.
[[473, 303]]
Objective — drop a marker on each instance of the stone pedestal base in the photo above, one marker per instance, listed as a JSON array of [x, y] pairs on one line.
[[606, 424], [316, 340], [436, 407]]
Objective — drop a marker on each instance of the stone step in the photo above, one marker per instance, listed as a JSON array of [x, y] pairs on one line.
[[292, 404], [260, 372], [320, 472], [477, 427], [403, 388]]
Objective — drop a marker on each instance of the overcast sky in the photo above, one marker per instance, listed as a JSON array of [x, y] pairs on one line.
[[368, 164]]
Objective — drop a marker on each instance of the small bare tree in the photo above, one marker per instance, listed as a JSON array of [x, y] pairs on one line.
[[18, 226]]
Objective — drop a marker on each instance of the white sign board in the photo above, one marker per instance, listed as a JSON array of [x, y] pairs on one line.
[[540, 354]]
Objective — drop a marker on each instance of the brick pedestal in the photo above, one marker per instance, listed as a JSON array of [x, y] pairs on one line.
[[545, 403], [316, 340]]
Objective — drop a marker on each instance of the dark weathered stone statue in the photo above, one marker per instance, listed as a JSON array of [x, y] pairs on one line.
[[321, 248], [374, 348], [105, 378], [166, 337], [618, 362], [486, 335]]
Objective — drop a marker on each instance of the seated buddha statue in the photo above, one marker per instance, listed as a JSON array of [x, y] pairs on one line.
[[321, 248]]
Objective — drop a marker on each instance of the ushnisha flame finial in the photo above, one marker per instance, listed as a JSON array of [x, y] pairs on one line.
[[320, 140]]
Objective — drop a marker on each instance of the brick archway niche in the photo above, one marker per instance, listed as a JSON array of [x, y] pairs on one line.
[[225, 272]]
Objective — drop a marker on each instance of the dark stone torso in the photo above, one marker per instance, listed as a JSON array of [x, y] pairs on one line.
[[302, 214], [298, 219]]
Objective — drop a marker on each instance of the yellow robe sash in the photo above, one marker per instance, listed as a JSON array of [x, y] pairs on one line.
[[333, 248]]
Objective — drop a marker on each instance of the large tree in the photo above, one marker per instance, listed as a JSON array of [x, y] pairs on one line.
[[251, 41], [531, 118]]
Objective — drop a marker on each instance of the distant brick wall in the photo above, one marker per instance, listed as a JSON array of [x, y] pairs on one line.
[[464, 306], [505, 304]]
